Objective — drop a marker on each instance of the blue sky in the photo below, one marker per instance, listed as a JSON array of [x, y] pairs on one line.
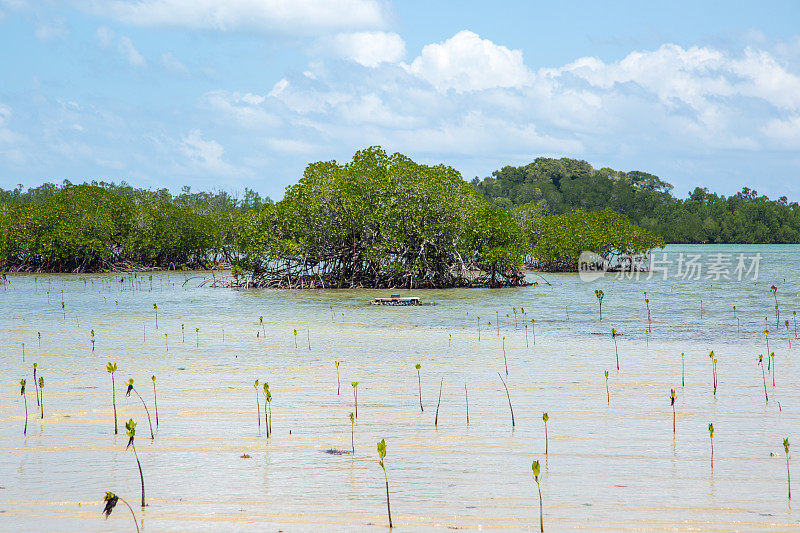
[[245, 93]]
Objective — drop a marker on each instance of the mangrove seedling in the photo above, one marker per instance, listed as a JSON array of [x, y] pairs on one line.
[[616, 348], [713, 370], [763, 377], [436, 418], [382, 456], [505, 361], [419, 384], [183, 333], [22, 384], [788, 477], [23, 350], [766, 337], [352, 433], [295, 339], [608, 395], [155, 308], [509, 399], [111, 500], [268, 409], [258, 406], [672, 397], [166, 346], [683, 369], [197, 334], [338, 383], [545, 417], [536, 471], [772, 359], [711, 438], [774, 290], [533, 330], [130, 427], [130, 389], [261, 323], [479, 329], [600, 295], [111, 368], [497, 318], [466, 398], [354, 384], [92, 341], [35, 383], [788, 336], [39, 335], [41, 392], [155, 398], [647, 303]]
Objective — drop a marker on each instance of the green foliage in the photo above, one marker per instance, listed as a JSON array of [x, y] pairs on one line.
[[111, 367], [94, 227], [382, 453], [536, 470], [381, 220], [562, 238], [561, 185]]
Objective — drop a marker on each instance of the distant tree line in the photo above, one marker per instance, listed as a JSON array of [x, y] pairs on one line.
[[379, 220], [559, 186], [104, 226]]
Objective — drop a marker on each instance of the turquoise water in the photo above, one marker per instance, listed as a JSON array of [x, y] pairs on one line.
[[609, 467]]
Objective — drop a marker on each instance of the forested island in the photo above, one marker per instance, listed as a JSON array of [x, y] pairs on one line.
[[380, 220]]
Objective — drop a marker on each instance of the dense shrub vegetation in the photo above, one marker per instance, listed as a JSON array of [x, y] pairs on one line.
[[80, 228], [559, 186]]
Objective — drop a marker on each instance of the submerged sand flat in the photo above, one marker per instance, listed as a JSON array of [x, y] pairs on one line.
[[609, 468]]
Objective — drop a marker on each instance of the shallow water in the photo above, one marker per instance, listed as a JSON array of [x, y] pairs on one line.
[[609, 467]]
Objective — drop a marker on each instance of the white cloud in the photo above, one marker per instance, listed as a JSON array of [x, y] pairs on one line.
[[290, 16], [205, 156], [173, 64], [51, 31], [129, 52], [368, 48], [105, 36], [465, 62]]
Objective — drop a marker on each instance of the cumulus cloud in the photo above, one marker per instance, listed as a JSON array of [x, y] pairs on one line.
[[465, 62], [105, 36], [204, 155], [129, 52], [368, 48], [51, 31], [295, 16], [173, 64]]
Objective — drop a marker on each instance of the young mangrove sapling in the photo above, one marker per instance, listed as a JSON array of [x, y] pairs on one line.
[[536, 471], [382, 456], [509, 399], [41, 393], [22, 384], [155, 398], [35, 383], [788, 477], [711, 438], [763, 377], [129, 383], [600, 295], [352, 433], [111, 368], [419, 385], [545, 417], [130, 427], [608, 395], [258, 406], [354, 384], [672, 397], [111, 500], [338, 384], [616, 348], [436, 418]]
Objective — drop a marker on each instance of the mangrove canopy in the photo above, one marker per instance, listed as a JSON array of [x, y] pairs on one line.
[[381, 221]]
